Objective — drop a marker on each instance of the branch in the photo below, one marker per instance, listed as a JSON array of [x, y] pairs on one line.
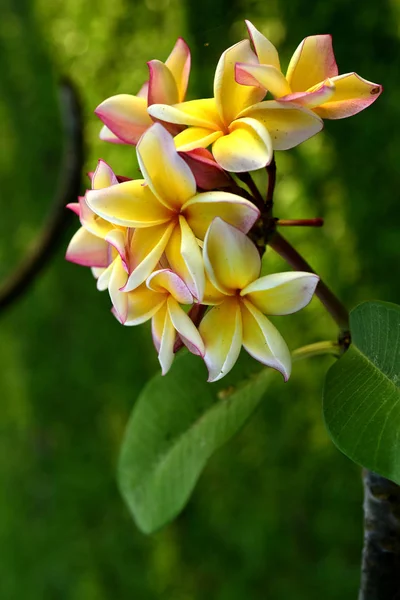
[[380, 576], [59, 218]]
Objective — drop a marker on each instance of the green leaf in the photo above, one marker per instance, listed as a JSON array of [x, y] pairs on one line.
[[178, 422], [362, 394]]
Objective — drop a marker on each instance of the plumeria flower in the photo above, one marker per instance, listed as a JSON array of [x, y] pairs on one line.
[[160, 300], [243, 131], [102, 245], [312, 79], [125, 116], [168, 214], [242, 299]]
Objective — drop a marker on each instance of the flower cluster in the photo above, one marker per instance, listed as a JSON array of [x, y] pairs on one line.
[[176, 246]]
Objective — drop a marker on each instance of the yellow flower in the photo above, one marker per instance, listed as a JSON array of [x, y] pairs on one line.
[[233, 267], [125, 116], [242, 130], [167, 213], [160, 299], [312, 79]]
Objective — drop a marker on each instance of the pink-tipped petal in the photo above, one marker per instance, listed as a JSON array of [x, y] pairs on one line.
[[87, 250], [247, 147], [207, 172], [266, 76], [74, 206], [166, 281], [221, 332], [263, 341], [281, 293], [314, 97], [130, 204], [162, 85], [231, 259], [103, 176], [352, 95], [266, 52], [178, 62], [184, 256], [126, 116], [312, 63], [147, 248], [92, 222], [231, 97], [166, 173], [106, 135], [185, 327], [202, 209], [144, 90], [287, 124]]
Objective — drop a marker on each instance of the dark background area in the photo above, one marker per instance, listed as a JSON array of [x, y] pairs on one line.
[[278, 511]]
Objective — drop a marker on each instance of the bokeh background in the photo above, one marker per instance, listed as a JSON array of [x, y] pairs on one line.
[[278, 512]]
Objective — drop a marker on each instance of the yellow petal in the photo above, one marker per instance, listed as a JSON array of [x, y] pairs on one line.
[[202, 209], [162, 85], [231, 97], [212, 296], [198, 113], [195, 137], [263, 341], [143, 304], [87, 250], [185, 327], [130, 204], [221, 332], [312, 62], [266, 52], [104, 278], [281, 293], [266, 76], [147, 247], [313, 97], [247, 147], [231, 259], [352, 94], [166, 281], [184, 256], [103, 176], [167, 174], [126, 116], [117, 281], [287, 124], [178, 62]]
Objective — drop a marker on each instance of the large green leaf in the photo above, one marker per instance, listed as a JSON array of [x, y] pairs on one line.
[[362, 394], [178, 422]]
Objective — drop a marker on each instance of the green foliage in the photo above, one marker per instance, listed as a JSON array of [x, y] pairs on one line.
[[279, 498], [178, 422], [362, 393]]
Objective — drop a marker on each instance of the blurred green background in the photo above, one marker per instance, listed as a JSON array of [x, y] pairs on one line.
[[278, 512]]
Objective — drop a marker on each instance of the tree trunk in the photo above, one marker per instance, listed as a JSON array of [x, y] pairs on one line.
[[380, 577]]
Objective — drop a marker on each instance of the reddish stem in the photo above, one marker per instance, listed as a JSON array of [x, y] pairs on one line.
[[317, 222]]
